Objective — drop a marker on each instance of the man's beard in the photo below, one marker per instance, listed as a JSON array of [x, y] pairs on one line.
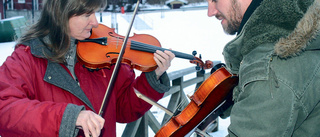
[[235, 19]]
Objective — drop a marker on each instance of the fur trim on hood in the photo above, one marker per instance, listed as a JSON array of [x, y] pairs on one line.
[[306, 30]]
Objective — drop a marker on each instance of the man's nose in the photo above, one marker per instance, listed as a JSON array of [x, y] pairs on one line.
[[212, 10]]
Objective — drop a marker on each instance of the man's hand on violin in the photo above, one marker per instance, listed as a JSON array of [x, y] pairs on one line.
[[90, 122], [163, 60]]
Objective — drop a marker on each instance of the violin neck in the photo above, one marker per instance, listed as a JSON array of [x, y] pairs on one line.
[[152, 49]]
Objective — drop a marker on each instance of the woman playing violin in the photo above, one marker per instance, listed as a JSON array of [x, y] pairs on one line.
[[45, 91]]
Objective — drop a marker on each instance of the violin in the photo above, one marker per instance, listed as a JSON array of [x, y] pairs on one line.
[[101, 50], [210, 96]]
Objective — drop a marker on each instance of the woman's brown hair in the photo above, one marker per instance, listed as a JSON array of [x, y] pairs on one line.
[[54, 24]]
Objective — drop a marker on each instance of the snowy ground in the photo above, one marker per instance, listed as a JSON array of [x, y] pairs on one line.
[[181, 30]]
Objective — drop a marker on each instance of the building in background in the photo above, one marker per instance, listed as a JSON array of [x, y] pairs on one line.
[[15, 16], [1, 9], [27, 8]]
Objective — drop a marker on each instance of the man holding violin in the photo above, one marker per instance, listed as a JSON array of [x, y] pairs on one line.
[[45, 91], [276, 56]]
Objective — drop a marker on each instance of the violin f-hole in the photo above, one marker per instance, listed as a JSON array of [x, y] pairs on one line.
[[117, 37], [107, 54]]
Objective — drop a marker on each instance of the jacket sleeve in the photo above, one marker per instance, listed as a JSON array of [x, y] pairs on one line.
[[162, 85], [21, 112], [68, 122]]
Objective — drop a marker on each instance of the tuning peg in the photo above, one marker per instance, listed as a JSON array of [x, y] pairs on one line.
[[194, 53], [198, 67]]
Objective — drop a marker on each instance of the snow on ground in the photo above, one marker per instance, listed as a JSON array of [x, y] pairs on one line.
[[180, 30], [6, 49]]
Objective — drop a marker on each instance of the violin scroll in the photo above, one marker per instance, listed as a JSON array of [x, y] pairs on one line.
[[207, 65], [197, 60]]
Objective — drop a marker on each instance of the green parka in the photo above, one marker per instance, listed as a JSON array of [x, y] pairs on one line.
[[277, 58]]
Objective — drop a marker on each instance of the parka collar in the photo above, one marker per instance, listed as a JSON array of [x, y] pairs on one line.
[[252, 7], [58, 76], [307, 29], [55, 73], [37, 47], [272, 20]]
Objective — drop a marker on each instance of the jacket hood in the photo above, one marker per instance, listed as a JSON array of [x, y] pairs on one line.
[[306, 30], [272, 20], [38, 47]]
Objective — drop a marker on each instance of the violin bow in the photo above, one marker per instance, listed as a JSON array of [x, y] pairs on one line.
[[115, 70]]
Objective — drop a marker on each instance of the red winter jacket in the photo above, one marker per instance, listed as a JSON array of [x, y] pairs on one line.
[[40, 98]]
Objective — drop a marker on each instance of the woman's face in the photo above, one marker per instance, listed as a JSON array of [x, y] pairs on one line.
[[80, 26]]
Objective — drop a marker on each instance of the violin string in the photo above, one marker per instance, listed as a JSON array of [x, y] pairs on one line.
[[140, 46], [179, 106], [152, 49], [146, 47]]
